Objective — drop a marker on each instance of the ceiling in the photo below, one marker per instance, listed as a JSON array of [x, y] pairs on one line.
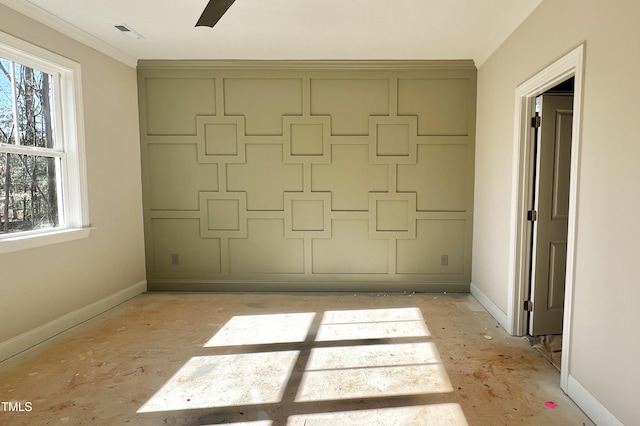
[[288, 29]]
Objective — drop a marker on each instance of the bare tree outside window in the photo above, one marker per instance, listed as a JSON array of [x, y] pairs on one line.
[[43, 180], [29, 158]]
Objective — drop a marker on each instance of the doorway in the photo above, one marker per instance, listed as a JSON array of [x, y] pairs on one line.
[[565, 68], [548, 214]]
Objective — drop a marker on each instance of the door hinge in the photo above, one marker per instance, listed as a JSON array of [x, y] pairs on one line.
[[536, 121], [528, 305], [532, 215]]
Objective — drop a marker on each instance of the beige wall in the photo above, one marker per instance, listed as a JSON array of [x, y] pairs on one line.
[[311, 176], [604, 350], [44, 284]]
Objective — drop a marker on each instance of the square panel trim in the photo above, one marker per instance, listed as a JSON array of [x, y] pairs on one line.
[[384, 224], [217, 210]]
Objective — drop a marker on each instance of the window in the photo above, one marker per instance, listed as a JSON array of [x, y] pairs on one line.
[[42, 170]]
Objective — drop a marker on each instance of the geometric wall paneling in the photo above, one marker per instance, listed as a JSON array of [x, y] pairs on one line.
[[173, 103], [395, 139], [439, 178], [334, 175], [307, 214], [441, 104], [179, 252], [435, 239], [177, 177], [223, 214], [350, 251], [350, 102], [350, 177], [265, 250], [307, 139], [221, 139], [392, 140], [264, 177], [392, 215], [263, 102]]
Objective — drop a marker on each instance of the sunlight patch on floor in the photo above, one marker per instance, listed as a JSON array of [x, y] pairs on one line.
[[373, 382], [225, 381], [365, 353], [373, 356], [372, 324], [263, 329]]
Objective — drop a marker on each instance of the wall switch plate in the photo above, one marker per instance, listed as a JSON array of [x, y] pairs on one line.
[[175, 259], [444, 260]]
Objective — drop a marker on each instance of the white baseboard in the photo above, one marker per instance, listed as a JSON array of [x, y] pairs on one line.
[[491, 307], [597, 412], [24, 341]]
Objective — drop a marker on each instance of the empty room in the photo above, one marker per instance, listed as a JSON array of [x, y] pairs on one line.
[[319, 212]]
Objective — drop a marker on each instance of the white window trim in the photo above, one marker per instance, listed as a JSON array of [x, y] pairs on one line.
[[76, 205]]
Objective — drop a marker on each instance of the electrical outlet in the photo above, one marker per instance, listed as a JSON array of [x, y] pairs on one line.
[[175, 259], [444, 260]]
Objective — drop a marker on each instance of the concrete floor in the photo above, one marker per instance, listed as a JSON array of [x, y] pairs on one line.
[[287, 359]]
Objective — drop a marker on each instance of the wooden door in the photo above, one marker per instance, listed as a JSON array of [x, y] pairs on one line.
[[549, 255]]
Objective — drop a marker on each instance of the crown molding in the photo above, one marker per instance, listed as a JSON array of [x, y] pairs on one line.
[[308, 64], [40, 15]]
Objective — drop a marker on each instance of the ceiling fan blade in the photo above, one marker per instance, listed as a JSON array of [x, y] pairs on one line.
[[213, 12]]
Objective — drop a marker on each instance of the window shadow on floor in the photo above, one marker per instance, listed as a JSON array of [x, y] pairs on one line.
[[356, 367]]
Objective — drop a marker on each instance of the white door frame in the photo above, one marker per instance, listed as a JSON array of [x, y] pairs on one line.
[[570, 65]]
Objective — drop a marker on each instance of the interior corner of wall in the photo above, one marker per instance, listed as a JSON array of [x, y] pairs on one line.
[[493, 309]]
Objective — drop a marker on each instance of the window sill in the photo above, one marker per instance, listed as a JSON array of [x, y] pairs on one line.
[[25, 242]]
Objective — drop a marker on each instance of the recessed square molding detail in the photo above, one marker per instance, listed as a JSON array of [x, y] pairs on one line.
[[307, 139], [392, 139], [220, 139], [306, 214], [392, 215], [223, 214], [395, 139]]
